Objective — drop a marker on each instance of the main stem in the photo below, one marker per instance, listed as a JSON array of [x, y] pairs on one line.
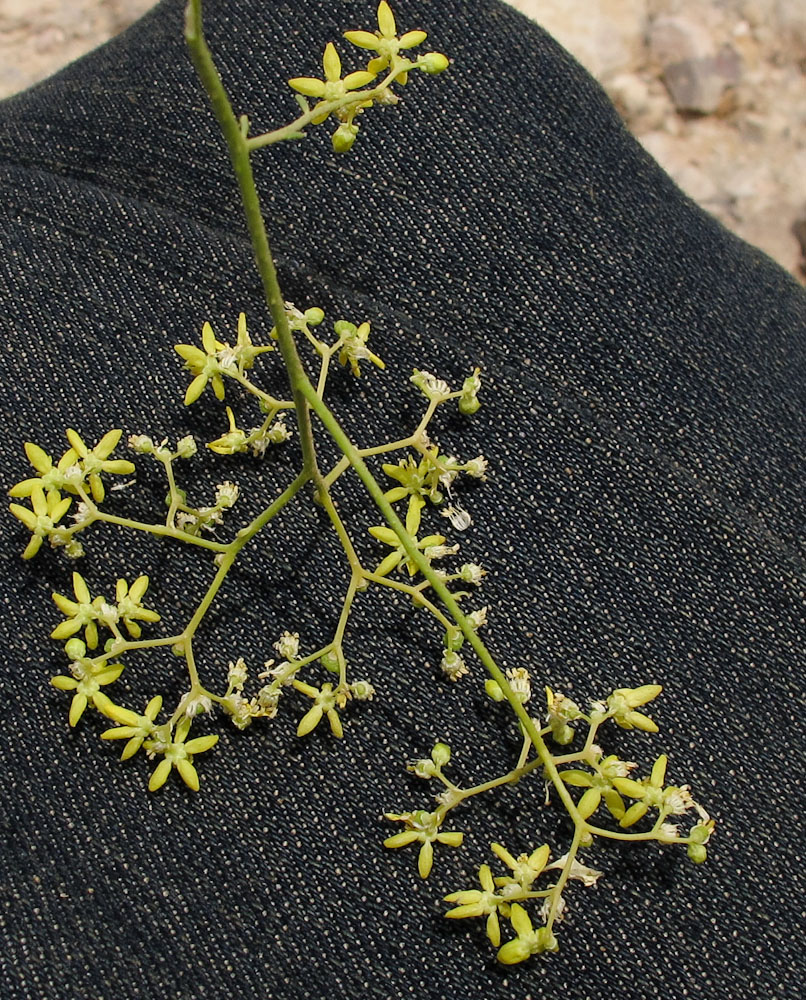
[[306, 398]]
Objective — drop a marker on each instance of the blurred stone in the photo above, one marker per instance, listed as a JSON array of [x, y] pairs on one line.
[[607, 37], [697, 85], [696, 73], [637, 102]]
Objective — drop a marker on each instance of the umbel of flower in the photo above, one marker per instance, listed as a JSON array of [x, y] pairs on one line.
[[77, 464], [203, 365], [88, 677], [386, 43], [131, 727], [177, 752], [332, 88], [422, 828], [45, 513]]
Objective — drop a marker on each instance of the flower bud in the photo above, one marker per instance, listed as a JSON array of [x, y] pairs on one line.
[[330, 661], [697, 852], [493, 690], [468, 405], [74, 549], [75, 649], [344, 137], [314, 316], [441, 754], [186, 447], [454, 639], [141, 443], [433, 63], [423, 768], [362, 690]]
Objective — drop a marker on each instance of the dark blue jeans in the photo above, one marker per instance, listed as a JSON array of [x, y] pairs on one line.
[[643, 522]]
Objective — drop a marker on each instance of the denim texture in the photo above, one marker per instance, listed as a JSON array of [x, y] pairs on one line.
[[643, 522]]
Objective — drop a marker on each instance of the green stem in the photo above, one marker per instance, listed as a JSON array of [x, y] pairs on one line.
[[305, 395], [239, 155], [231, 554], [159, 529]]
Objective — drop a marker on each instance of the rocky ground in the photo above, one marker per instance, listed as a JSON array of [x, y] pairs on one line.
[[715, 89]]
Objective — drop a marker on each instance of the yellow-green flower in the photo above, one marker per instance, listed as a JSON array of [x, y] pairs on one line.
[[177, 753], [353, 346], [651, 794], [233, 441], [422, 827], [45, 513], [528, 942], [244, 352], [51, 477], [332, 87], [600, 786], [94, 461], [325, 703], [83, 612], [426, 477], [130, 605], [622, 704], [88, 677], [130, 726], [432, 546], [385, 42], [203, 365], [478, 902], [525, 868]]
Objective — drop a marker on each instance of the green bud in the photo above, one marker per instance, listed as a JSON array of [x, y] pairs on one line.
[[468, 405], [330, 661], [186, 447], [75, 649], [141, 443], [493, 690], [699, 834], [454, 639], [433, 63], [183, 497], [344, 137], [441, 754], [314, 316], [697, 852]]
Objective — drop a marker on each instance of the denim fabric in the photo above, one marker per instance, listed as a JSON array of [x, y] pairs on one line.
[[643, 522]]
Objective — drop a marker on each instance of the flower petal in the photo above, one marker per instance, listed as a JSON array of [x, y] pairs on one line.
[[412, 38], [160, 775], [308, 85], [331, 63], [386, 20], [363, 39]]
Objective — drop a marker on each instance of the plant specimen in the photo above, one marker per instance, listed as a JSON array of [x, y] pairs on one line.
[[417, 508]]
